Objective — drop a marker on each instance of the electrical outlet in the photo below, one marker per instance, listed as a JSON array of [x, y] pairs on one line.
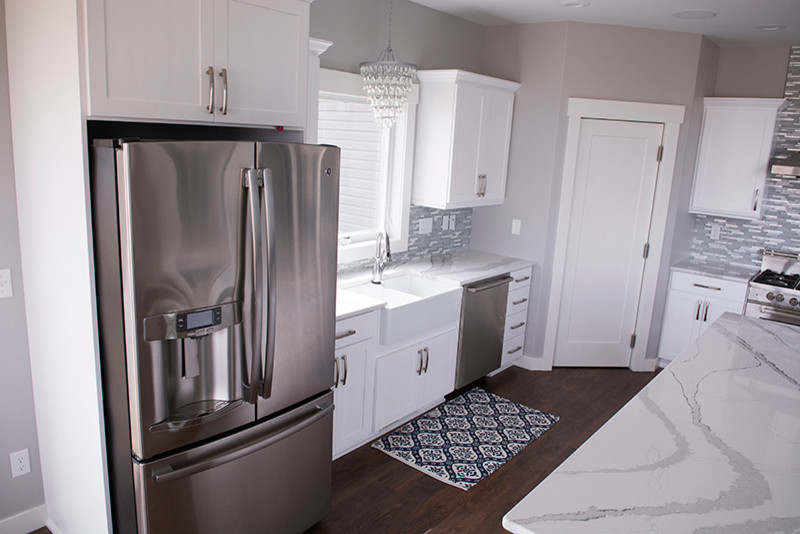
[[20, 463], [715, 231], [515, 226], [426, 225], [5, 284]]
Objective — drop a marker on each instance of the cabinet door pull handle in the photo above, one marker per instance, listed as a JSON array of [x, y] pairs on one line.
[[344, 376], [703, 286], [427, 360], [705, 312], [520, 325], [210, 106], [336, 373], [419, 369], [224, 107], [518, 280], [520, 301], [697, 311], [512, 351], [755, 199], [345, 334]]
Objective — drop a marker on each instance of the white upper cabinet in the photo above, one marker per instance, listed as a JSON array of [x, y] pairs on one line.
[[198, 60], [733, 156], [463, 137]]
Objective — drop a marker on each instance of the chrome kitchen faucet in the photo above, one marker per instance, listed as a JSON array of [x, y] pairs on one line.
[[383, 255]]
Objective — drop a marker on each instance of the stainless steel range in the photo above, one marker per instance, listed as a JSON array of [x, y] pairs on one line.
[[773, 293]]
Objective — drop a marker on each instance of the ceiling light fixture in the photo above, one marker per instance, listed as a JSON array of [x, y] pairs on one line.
[[694, 14], [574, 3], [770, 27], [387, 82]]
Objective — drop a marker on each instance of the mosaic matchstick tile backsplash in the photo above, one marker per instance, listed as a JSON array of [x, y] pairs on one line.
[[741, 241], [439, 241]]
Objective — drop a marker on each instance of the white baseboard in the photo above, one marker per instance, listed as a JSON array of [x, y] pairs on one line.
[[26, 521], [533, 364]]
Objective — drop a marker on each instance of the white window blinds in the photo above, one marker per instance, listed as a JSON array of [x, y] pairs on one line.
[[349, 125]]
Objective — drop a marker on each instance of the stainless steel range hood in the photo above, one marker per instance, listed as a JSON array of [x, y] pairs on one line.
[[789, 166]]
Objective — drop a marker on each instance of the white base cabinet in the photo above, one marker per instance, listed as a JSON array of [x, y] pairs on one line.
[[413, 377], [733, 156], [352, 416], [693, 303], [463, 137], [224, 61], [516, 316]]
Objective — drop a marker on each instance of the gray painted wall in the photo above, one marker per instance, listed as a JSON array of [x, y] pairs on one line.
[[17, 418], [557, 61], [765, 69], [359, 30]]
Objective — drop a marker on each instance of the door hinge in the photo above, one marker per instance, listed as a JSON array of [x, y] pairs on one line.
[[660, 153], [646, 251], [633, 340]]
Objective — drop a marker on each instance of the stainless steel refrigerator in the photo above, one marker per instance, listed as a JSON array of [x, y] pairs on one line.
[[215, 270]]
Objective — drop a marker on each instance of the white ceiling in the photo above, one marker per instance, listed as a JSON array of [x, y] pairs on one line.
[[734, 24]]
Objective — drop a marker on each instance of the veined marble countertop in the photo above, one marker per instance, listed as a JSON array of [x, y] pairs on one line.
[[727, 272], [711, 445], [468, 266], [461, 268]]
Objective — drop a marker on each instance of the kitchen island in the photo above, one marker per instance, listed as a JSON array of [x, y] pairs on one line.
[[712, 444]]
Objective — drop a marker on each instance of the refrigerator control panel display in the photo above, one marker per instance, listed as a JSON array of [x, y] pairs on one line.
[[200, 319]]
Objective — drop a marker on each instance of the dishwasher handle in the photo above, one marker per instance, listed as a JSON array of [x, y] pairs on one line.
[[491, 284]]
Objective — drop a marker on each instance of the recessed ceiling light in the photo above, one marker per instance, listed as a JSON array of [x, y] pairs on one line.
[[574, 3], [770, 27], [694, 14]]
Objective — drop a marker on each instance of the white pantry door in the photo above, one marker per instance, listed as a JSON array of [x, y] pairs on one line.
[[612, 202]]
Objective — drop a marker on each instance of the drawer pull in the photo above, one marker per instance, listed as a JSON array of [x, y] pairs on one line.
[[520, 325], [518, 280], [345, 334], [703, 286], [512, 351], [520, 301]]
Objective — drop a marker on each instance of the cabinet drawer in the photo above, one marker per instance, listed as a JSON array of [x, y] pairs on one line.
[[521, 278], [513, 347], [709, 286], [515, 324], [517, 301], [355, 329]]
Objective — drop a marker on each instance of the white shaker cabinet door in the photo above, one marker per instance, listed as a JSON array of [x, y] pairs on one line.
[[148, 58], [681, 323], [733, 156], [350, 424], [397, 385], [464, 183], [496, 140], [263, 47], [440, 367]]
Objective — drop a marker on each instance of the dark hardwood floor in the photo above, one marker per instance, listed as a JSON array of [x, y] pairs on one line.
[[375, 493]]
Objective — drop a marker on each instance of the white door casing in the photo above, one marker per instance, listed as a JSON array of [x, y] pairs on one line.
[[670, 116], [610, 220]]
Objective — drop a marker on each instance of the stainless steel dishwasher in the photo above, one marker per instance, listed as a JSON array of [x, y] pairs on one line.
[[483, 319]]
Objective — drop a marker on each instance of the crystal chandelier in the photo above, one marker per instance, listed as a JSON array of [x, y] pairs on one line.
[[387, 82]]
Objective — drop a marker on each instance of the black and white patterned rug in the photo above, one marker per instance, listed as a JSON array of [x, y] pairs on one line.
[[465, 439]]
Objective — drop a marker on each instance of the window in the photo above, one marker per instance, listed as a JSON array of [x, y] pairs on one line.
[[376, 164]]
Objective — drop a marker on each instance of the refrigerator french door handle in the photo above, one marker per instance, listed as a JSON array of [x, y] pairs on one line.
[[267, 200], [170, 474], [252, 181]]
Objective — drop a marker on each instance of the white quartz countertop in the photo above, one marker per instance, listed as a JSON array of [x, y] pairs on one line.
[[462, 268], [711, 445], [727, 272]]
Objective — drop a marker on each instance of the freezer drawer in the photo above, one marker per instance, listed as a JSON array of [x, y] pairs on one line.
[[273, 477]]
